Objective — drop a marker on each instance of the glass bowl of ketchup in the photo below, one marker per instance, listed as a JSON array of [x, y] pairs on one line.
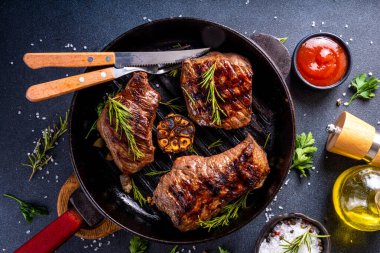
[[322, 61]]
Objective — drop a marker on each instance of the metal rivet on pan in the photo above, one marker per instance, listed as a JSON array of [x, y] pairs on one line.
[[90, 59], [103, 74], [81, 79], [108, 58]]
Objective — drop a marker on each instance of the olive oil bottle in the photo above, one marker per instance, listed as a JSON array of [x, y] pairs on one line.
[[356, 197]]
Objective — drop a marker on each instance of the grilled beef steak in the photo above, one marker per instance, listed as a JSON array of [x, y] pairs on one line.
[[142, 100], [233, 81], [198, 187]]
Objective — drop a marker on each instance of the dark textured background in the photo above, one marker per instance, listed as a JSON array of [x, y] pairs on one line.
[[95, 23]]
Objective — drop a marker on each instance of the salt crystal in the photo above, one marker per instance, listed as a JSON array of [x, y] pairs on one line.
[[45, 197], [351, 39], [56, 176], [371, 42], [67, 74], [42, 177], [96, 249], [85, 246], [323, 22], [309, 183], [194, 248], [11, 62], [157, 85], [47, 172], [32, 44], [40, 40], [287, 181], [100, 244], [344, 94], [346, 26], [84, 47], [43, 118], [74, 49], [341, 36], [345, 103], [320, 31], [32, 130], [94, 241], [247, 2], [180, 15], [378, 122], [144, 18], [280, 207], [27, 232], [370, 73], [4, 250], [313, 23], [313, 168], [55, 163], [275, 17], [149, 20]]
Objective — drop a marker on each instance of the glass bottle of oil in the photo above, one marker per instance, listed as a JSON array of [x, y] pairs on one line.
[[356, 197]]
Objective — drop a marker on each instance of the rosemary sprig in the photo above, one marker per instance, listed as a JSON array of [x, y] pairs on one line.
[[121, 114], [364, 88], [296, 243], [173, 250], [229, 212], [173, 72], [137, 195], [192, 150], [175, 107], [215, 144], [266, 141], [156, 172], [208, 83], [189, 96], [40, 155], [28, 210], [283, 39]]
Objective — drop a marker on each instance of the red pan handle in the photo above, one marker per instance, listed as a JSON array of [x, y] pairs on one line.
[[54, 234]]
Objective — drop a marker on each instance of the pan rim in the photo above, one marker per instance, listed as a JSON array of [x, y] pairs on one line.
[[286, 163]]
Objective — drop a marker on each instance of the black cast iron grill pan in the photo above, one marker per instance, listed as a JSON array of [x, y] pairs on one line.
[[273, 115]]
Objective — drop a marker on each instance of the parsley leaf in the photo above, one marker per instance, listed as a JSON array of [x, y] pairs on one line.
[[283, 39], [29, 211], [303, 155], [221, 250], [364, 87], [138, 245], [174, 249]]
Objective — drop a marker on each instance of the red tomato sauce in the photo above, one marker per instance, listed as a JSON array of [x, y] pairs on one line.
[[322, 61]]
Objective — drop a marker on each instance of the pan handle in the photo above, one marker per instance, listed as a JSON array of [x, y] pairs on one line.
[[54, 234]]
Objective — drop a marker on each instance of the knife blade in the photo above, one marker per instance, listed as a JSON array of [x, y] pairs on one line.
[[140, 59], [118, 59]]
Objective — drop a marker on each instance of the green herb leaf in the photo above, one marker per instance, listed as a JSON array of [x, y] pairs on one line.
[[121, 114], [221, 250], [173, 250], [189, 96], [228, 212], [283, 39], [364, 87], [173, 72], [40, 155], [28, 210], [296, 243], [266, 141], [191, 149], [175, 107], [303, 154], [137, 195], [208, 83], [156, 172], [138, 245], [215, 144]]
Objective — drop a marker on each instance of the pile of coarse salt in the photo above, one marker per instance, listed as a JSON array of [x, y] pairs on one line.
[[289, 230]]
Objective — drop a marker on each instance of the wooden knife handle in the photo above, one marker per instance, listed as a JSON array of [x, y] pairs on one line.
[[52, 236], [88, 59], [43, 91]]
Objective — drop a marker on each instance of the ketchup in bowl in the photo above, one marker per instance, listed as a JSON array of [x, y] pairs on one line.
[[322, 60]]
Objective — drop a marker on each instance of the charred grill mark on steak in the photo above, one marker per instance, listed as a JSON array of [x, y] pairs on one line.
[[198, 187], [142, 101], [233, 81]]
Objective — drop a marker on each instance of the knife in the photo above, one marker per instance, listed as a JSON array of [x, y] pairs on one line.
[[118, 59]]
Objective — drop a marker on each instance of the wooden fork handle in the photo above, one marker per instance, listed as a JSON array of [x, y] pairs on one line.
[[88, 59], [43, 91]]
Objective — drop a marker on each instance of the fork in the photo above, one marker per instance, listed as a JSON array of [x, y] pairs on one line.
[[44, 91]]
